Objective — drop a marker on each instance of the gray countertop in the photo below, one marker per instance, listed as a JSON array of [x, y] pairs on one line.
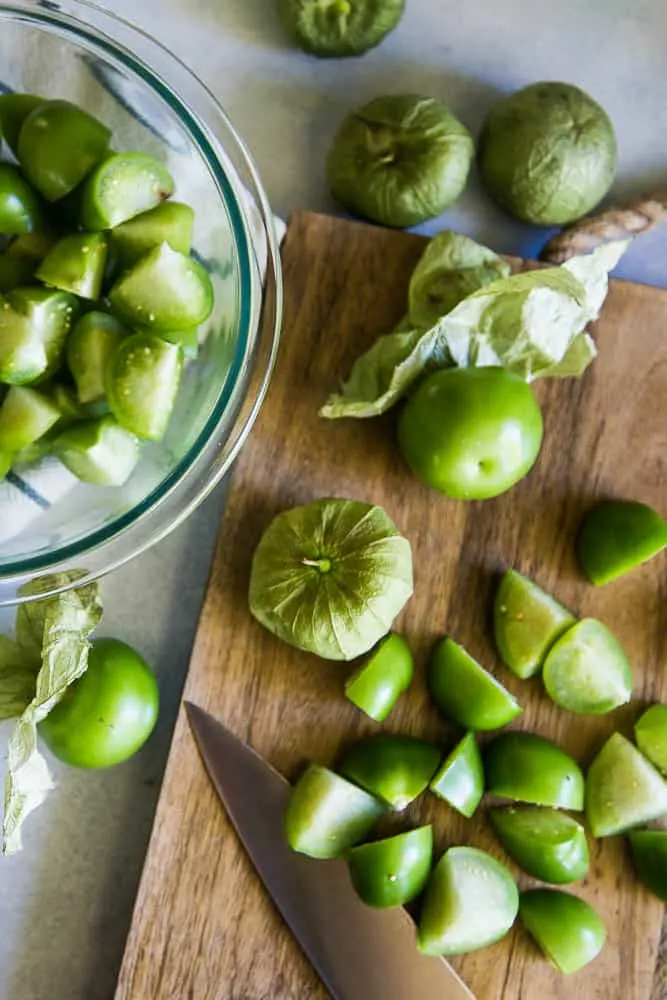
[[66, 901]]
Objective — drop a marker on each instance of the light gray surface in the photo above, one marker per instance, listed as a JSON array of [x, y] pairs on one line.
[[65, 902]]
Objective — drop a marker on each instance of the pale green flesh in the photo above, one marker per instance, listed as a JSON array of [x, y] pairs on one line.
[[651, 735], [586, 670], [121, 187], [25, 415], [623, 789], [527, 621], [98, 451], [460, 779]]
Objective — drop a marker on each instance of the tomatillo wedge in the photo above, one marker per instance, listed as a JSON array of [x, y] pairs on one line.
[[20, 208], [586, 671], [530, 768], [465, 692], [121, 186], [339, 28], [378, 683], [393, 871], [25, 416], [34, 323], [327, 815], [649, 854], [471, 901], [14, 109], [616, 536], [526, 622], [393, 768], [90, 346], [545, 843], [106, 715], [171, 222], [651, 735], [471, 433], [59, 143], [98, 451], [164, 290], [566, 928], [76, 264], [623, 789], [460, 778], [142, 381]]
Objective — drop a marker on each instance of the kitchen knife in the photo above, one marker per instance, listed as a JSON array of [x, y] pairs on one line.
[[360, 953]]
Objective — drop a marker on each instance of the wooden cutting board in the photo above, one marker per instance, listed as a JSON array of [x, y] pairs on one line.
[[203, 927]]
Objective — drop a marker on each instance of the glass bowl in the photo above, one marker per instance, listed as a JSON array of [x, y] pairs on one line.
[[75, 50]]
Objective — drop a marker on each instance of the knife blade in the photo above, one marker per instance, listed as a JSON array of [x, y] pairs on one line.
[[359, 953]]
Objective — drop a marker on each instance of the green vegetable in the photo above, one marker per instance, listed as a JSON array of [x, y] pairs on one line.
[[171, 222], [34, 323], [528, 323], [548, 153], [651, 735], [471, 901], [15, 271], [76, 264], [567, 929], [339, 28], [20, 208], [121, 186], [25, 415], [395, 769], [98, 451], [393, 871], [587, 671], [378, 683], [465, 692], [623, 789], [90, 347], [616, 536], [326, 815], [142, 379], [399, 160], [649, 854], [460, 778], [526, 622], [330, 577], [14, 109], [546, 843], [530, 768]]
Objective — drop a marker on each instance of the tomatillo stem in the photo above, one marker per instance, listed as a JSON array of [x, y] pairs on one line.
[[323, 564]]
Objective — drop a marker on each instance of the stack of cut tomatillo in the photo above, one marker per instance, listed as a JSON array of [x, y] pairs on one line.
[[100, 298]]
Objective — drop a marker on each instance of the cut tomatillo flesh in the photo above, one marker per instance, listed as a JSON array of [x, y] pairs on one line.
[[188, 340], [327, 815], [460, 778], [623, 789], [649, 854], [20, 208], [393, 768], [164, 290], [14, 109], [586, 671], [465, 692], [651, 735], [90, 346], [76, 264], [15, 271], [566, 928], [121, 186], [171, 222], [526, 622], [98, 451], [471, 901], [142, 381], [544, 842], [530, 768], [393, 871], [378, 683], [34, 323], [25, 415], [616, 536], [58, 146]]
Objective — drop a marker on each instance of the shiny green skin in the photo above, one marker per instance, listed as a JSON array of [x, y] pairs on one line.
[[90, 346], [526, 622], [651, 735], [471, 901], [623, 789], [34, 323], [163, 290], [340, 28], [566, 928], [171, 222], [460, 778], [25, 416], [106, 715], [649, 854], [378, 683], [14, 109], [142, 380], [395, 769], [471, 433], [616, 536], [393, 871], [76, 264], [327, 815], [20, 208], [586, 671], [121, 186], [530, 768], [98, 451], [546, 843], [465, 692], [59, 144]]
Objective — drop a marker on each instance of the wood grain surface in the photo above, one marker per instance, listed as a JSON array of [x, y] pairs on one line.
[[203, 927]]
